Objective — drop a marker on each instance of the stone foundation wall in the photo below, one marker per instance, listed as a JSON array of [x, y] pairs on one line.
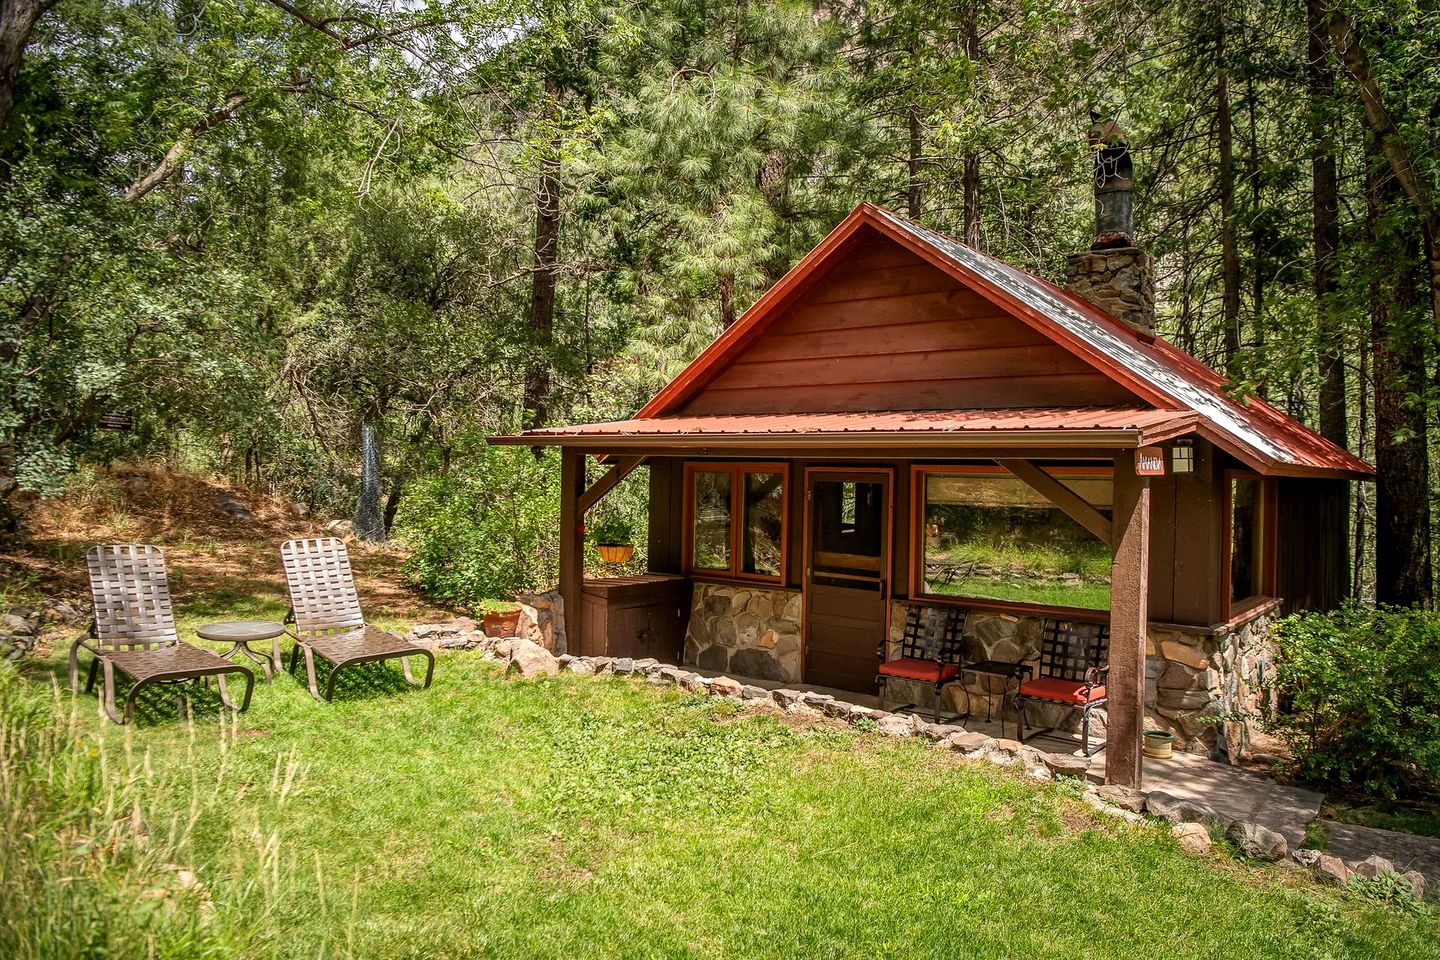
[[749, 631], [1192, 677]]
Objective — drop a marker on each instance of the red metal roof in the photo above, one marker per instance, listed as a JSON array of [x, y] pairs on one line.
[[1176, 385], [1110, 426]]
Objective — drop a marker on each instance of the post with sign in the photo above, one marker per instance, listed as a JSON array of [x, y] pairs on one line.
[[1150, 462]]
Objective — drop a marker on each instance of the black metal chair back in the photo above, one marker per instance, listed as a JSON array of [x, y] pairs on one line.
[[934, 634], [1069, 649]]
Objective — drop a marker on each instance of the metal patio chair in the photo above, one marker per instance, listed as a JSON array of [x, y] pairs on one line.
[[930, 652], [325, 614], [133, 631], [1074, 662]]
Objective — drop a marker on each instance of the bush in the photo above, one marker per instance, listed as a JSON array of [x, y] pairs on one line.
[[1359, 699], [488, 529]]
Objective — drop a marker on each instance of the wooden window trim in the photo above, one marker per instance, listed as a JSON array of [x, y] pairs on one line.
[[918, 473], [1231, 608], [737, 471]]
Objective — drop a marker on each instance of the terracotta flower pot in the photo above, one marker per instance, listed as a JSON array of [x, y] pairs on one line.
[[1159, 744], [501, 624], [616, 552]]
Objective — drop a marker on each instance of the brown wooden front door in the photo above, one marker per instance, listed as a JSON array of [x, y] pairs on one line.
[[847, 560]]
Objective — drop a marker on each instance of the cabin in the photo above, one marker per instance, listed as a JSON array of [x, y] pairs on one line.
[[905, 420]]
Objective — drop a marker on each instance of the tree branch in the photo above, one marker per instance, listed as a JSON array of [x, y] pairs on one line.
[[171, 161]]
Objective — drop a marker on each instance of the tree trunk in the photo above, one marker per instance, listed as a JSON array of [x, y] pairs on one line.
[[369, 517], [970, 183], [1325, 218], [912, 197], [392, 503], [17, 21], [1398, 336], [1409, 178], [1258, 267], [542, 289], [1229, 250]]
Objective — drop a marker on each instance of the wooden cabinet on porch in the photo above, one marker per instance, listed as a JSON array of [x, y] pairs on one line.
[[640, 616]]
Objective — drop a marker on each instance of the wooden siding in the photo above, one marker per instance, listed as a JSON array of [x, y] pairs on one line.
[[667, 504], [1312, 534], [886, 331]]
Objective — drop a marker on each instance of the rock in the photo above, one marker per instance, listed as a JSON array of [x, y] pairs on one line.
[[1415, 880], [582, 666], [1306, 858], [299, 510], [62, 611], [15, 625], [1177, 652], [785, 698], [1192, 837], [752, 692], [694, 683], [753, 662], [894, 725], [1007, 747], [936, 732], [501, 648], [647, 665], [726, 687], [970, 743], [529, 659], [1257, 842], [819, 702], [1110, 810], [839, 709], [1373, 866], [340, 528], [1064, 765], [233, 508], [674, 674], [1332, 869], [1178, 810], [1127, 798], [623, 666]]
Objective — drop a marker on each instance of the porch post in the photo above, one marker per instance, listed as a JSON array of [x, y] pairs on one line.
[[1129, 614], [572, 544]]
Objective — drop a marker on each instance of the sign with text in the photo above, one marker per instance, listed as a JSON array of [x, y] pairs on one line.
[[1150, 462], [116, 420]]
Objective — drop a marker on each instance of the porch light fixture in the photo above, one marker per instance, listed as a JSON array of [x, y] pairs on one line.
[[1182, 457]]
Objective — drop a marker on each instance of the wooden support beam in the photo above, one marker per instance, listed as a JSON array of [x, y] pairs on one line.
[[1062, 496], [1129, 616], [572, 545], [598, 489]]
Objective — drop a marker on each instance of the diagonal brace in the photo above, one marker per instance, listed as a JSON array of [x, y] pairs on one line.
[[1062, 496]]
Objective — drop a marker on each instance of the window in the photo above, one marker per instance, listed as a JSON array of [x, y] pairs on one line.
[[1245, 536], [983, 533], [736, 520]]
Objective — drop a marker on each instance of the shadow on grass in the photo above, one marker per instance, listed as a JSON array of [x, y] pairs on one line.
[[361, 681]]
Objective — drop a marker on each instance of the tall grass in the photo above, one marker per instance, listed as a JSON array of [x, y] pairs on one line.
[[96, 851]]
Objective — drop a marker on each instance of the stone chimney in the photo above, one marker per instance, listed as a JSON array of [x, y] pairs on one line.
[[1114, 274]]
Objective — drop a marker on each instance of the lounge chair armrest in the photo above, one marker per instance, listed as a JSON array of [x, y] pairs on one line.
[[1096, 676]]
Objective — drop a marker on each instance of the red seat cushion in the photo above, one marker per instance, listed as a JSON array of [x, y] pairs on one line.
[[1061, 691], [914, 669]]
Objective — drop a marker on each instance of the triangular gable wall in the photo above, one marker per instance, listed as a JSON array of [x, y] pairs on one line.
[[882, 329]]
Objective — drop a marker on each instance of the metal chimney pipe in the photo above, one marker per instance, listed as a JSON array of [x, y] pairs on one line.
[[1114, 185]]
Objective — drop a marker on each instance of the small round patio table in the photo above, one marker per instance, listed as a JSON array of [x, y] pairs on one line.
[[242, 633]]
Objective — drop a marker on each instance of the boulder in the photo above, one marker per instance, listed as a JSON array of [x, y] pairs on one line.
[[529, 659], [936, 732], [1415, 880], [1065, 765], [1110, 810], [1306, 858], [1192, 837], [14, 625], [340, 528], [970, 742], [622, 666], [785, 698], [582, 666], [895, 725], [1127, 798], [726, 687], [1332, 869], [233, 508], [1373, 866], [1257, 842], [1174, 809], [751, 692]]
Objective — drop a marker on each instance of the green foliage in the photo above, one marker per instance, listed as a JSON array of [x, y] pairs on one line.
[[611, 529], [1359, 695], [487, 529]]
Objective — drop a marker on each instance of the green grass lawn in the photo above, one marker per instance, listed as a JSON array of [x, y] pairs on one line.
[[580, 817]]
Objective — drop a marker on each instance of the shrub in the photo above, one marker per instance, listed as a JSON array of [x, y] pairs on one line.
[[488, 529], [1359, 699]]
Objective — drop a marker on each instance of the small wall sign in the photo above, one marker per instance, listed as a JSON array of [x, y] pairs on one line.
[[116, 420], [1150, 462]]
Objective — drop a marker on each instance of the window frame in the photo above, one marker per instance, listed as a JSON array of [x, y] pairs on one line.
[[918, 473], [1233, 607], [737, 471]]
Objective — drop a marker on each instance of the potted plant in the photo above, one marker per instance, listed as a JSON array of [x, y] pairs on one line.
[[499, 618], [1159, 744], [613, 538]]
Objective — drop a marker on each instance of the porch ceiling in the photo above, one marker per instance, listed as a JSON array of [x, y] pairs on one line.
[[1077, 427]]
